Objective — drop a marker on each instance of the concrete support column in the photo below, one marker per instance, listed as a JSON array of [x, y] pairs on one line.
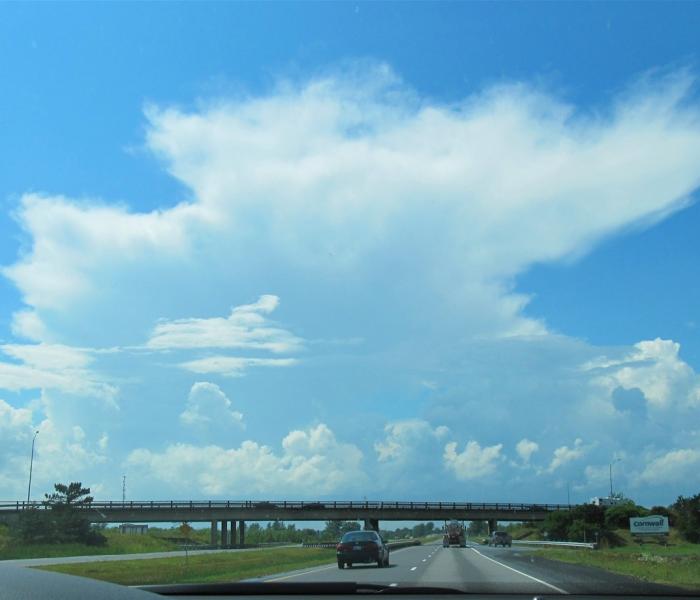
[[372, 524], [241, 529], [224, 533], [213, 539], [492, 525], [234, 541]]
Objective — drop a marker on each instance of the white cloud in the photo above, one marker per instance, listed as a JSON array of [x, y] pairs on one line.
[[53, 366], [27, 324], [564, 455], [48, 356], [78, 433], [312, 462], [474, 461], [62, 452], [596, 477], [316, 191], [15, 438], [14, 422], [71, 240], [655, 368], [672, 468], [405, 439], [233, 366], [526, 448], [208, 405], [245, 327]]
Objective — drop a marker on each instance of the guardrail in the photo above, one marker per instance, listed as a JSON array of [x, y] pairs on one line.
[[193, 547], [391, 545], [17, 505], [552, 543]]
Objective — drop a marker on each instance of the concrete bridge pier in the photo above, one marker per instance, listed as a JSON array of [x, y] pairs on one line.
[[224, 533], [233, 534], [241, 529], [372, 524], [213, 541], [493, 524]]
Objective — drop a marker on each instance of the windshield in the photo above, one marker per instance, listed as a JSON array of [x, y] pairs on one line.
[[359, 536], [280, 274]]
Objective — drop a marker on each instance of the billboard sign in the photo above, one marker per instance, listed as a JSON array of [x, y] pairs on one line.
[[646, 525]]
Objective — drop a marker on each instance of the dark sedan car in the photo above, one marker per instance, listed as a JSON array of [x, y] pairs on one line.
[[362, 547]]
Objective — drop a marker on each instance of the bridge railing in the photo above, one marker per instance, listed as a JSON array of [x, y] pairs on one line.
[[301, 505]]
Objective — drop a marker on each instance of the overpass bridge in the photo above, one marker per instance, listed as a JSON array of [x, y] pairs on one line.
[[233, 514]]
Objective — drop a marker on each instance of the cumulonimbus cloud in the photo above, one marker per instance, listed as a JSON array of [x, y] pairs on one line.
[[348, 176]]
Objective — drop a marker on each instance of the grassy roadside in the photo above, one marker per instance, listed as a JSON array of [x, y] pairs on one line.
[[677, 565], [116, 544], [211, 568]]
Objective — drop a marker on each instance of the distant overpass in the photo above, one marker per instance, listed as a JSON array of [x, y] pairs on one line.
[[230, 512]]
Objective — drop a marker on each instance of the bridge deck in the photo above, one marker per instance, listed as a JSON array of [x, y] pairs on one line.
[[256, 510]]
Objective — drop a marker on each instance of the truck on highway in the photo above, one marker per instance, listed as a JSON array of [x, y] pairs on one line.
[[454, 535], [606, 501]]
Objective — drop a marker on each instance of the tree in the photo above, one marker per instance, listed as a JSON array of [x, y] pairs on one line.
[[63, 520], [664, 512], [617, 517], [70, 523], [186, 530], [687, 519], [578, 532], [477, 528], [592, 515], [556, 524], [336, 529], [33, 527], [69, 519], [73, 494]]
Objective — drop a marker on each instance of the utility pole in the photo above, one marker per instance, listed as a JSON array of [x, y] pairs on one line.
[[568, 496], [123, 488], [31, 465]]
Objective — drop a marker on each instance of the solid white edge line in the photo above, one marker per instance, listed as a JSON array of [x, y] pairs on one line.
[[323, 568], [304, 573], [549, 585]]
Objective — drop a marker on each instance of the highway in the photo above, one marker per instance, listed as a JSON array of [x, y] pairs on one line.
[[480, 569]]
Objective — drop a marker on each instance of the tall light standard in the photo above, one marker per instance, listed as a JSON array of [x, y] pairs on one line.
[[617, 460], [31, 465]]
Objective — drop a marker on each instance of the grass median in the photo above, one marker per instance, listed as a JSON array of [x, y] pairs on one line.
[[677, 565], [207, 568]]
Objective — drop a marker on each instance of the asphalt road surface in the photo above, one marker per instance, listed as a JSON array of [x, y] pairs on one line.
[[480, 569]]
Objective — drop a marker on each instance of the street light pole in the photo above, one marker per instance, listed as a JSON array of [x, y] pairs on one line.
[[611, 464], [31, 465]]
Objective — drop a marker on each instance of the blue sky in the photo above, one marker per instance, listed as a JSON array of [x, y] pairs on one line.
[[425, 250]]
